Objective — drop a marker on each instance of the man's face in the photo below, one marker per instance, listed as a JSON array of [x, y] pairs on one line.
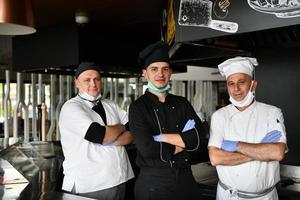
[[238, 85], [89, 81], [158, 73]]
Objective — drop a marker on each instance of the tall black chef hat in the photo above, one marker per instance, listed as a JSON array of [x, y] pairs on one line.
[[86, 66], [156, 52]]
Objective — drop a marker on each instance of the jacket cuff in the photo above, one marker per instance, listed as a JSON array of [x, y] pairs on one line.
[[190, 139]]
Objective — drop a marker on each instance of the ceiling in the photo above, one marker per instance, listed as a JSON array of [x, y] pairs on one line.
[[136, 22]]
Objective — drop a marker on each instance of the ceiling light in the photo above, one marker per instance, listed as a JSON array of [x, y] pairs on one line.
[[81, 17], [16, 17]]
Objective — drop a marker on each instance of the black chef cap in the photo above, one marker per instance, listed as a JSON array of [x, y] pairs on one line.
[[86, 66], [157, 52]]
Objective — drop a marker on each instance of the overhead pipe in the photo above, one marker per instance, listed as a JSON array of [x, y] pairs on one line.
[[116, 95], [34, 104], [69, 87], [39, 104], [40, 91], [111, 89], [190, 91], [6, 104], [19, 105], [104, 88], [60, 103], [136, 91], [126, 99], [140, 87], [52, 107]]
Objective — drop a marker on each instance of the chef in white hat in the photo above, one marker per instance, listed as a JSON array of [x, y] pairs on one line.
[[247, 138]]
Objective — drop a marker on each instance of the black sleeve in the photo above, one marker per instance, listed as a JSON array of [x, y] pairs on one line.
[[194, 138], [95, 133], [143, 136]]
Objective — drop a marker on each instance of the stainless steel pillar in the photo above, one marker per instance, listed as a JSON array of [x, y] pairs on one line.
[[6, 104], [52, 107], [18, 107], [60, 103], [34, 104]]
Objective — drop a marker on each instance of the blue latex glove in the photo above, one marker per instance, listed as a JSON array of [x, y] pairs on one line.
[[271, 137], [157, 138], [229, 145], [190, 124]]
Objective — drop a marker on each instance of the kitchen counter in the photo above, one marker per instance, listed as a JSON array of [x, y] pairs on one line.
[[33, 172], [40, 167], [288, 188]]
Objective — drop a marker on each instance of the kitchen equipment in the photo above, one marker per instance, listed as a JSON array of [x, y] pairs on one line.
[[199, 13], [280, 8]]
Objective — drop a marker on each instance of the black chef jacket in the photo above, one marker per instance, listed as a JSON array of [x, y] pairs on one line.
[[148, 117]]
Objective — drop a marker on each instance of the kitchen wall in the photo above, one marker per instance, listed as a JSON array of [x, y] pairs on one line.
[[278, 76]]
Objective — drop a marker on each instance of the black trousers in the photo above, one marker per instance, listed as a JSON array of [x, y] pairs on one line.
[[166, 184]]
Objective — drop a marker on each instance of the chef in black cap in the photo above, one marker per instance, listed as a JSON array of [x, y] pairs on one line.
[[165, 129], [93, 136]]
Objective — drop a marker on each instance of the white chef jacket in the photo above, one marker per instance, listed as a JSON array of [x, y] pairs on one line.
[[250, 125], [89, 166]]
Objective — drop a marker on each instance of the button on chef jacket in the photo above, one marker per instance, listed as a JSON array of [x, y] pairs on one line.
[[91, 166], [250, 125]]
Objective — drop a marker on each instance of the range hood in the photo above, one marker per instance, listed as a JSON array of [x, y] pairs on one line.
[[60, 49]]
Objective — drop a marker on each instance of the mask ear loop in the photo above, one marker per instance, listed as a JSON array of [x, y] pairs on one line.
[[252, 81]]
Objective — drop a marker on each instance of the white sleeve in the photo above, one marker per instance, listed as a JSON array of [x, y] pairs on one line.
[[74, 119], [122, 115], [216, 130], [276, 122]]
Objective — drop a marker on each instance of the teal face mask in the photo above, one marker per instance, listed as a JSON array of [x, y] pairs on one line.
[[158, 90]]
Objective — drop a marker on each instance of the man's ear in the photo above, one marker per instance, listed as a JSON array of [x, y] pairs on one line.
[[254, 85], [144, 73], [76, 82]]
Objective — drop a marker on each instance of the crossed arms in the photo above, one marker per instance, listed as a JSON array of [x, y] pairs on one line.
[[247, 152]]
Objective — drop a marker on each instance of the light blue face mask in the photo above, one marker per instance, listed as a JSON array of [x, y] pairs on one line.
[[158, 90], [88, 97]]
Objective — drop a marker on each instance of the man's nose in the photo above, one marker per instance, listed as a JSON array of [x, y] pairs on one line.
[[160, 72], [93, 82], [236, 87]]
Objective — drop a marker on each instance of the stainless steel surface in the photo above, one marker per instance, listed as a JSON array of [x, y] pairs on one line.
[[52, 107], [40, 163], [59, 105], [5, 104], [34, 101], [12, 183], [288, 188]]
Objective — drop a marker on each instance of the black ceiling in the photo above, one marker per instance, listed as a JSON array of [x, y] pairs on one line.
[[127, 26], [120, 22]]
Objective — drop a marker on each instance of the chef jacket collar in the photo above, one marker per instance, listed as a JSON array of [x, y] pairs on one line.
[[234, 110], [155, 98]]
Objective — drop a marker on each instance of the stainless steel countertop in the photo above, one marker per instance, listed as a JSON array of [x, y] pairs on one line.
[[39, 163]]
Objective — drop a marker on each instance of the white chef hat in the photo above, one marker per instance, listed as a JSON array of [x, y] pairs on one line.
[[237, 65]]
